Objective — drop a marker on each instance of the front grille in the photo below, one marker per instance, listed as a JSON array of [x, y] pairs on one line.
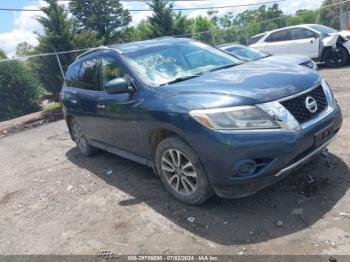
[[309, 64], [297, 105]]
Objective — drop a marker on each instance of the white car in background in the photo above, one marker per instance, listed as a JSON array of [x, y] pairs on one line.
[[248, 54], [315, 41]]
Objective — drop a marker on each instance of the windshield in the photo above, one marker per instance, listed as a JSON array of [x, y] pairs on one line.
[[174, 62], [323, 29], [246, 53]]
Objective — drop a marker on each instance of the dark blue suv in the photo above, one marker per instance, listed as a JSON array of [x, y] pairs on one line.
[[203, 120]]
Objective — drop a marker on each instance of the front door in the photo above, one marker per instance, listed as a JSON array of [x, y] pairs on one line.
[[120, 126], [304, 42]]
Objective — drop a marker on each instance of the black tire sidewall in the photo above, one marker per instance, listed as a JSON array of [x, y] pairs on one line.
[[345, 56], [89, 150], [203, 191]]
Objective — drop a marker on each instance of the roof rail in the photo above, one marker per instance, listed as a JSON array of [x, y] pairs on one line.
[[91, 51]]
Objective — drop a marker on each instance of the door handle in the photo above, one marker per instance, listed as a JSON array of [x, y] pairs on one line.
[[312, 41], [101, 106], [74, 101]]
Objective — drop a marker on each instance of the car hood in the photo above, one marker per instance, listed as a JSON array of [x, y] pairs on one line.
[[342, 33], [246, 84], [287, 59]]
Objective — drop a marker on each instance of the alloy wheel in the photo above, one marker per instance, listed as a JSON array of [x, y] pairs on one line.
[[79, 137], [179, 172]]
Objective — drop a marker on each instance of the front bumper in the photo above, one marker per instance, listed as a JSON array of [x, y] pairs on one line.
[[284, 150]]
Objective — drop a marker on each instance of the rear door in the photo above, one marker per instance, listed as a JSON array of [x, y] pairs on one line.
[[276, 43], [88, 92], [305, 42], [70, 94]]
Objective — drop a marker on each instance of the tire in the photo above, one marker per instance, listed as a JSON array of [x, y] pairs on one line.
[[186, 179], [80, 139], [336, 58]]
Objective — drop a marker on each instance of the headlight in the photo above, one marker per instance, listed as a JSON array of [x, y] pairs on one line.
[[234, 118]]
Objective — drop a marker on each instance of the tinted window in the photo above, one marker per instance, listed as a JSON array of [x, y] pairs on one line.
[[255, 39], [301, 33], [72, 75], [88, 75], [278, 36], [109, 70]]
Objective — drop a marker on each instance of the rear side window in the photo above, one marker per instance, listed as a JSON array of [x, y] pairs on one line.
[[255, 39], [110, 70], [301, 33], [279, 36], [88, 75], [72, 75]]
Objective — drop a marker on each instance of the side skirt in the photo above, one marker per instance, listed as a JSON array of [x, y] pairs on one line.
[[121, 153]]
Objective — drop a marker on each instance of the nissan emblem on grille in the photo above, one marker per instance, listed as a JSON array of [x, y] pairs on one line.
[[311, 104]]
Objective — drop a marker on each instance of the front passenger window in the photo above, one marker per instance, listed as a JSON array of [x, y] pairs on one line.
[[109, 70], [279, 36], [301, 33]]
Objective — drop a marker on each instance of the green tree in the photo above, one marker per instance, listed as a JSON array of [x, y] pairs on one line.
[[161, 22], [166, 22], [24, 49], [18, 90], [105, 17], [60, 34], [202, 28], [2, 54], [330, 13]]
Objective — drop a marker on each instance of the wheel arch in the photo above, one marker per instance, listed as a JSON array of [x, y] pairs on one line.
[[156, 136], [69, 119]]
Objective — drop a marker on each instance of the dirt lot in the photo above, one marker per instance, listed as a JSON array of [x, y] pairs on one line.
[[55, 201]]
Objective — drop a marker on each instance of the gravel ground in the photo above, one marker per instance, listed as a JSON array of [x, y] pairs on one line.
[[55, 201]]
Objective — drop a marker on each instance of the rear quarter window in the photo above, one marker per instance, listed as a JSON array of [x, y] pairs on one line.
[[72, 75]]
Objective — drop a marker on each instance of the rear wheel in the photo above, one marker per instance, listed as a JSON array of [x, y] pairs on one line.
[[336, 57], [181, 172], [80, 139]]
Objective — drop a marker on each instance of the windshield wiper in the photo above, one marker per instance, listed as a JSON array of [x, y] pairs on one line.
[[180, 79], [223, 67]]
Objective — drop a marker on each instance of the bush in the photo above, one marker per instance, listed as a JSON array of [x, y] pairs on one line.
[[18, 90]]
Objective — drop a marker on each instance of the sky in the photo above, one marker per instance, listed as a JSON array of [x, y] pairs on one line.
[[17, 27]]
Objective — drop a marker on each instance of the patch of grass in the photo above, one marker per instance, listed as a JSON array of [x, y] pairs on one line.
[[51, 106]]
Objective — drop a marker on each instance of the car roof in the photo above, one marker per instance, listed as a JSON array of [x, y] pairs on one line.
[[283, 28], [132, 46], [139, 45]]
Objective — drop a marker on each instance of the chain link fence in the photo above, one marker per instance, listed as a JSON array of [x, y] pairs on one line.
[[31, 84]]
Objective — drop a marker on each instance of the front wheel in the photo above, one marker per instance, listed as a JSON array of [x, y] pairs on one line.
[[336, 57], [80, 139], [181, 172]]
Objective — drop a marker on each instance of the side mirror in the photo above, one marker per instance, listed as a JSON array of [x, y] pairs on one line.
[[117, 86]]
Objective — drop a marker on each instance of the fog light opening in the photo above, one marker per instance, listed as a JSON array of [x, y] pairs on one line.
[[246, 167]]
